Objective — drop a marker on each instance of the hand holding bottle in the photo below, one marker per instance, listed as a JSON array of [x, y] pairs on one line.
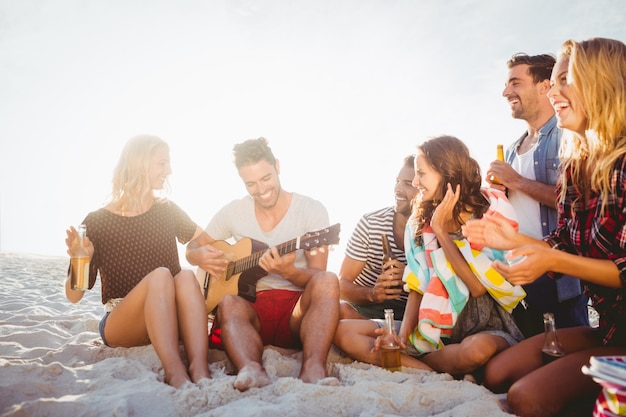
[[500, 158], [391, 267], [80, 250], [389, 344], [389, 284], [501, 175], [72, 242], [384, 335]]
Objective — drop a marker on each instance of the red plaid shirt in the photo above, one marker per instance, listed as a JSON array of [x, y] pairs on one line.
[[587, 231]]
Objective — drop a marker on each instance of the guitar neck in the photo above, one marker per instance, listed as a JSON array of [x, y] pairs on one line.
[[252, 260]]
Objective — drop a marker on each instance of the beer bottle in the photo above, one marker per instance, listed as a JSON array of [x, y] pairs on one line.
[[390, 347], [499, 157], [551, 347], [387, 253], [388, 256], [79, 263]]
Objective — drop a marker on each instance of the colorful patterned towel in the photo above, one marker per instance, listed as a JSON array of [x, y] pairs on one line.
[[444, 294]]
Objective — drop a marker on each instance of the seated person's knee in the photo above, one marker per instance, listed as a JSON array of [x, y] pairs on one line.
[[494, 379], [230, 304], [160, 278], [520, 400], [327, 280], [476, 352], [186, 279]]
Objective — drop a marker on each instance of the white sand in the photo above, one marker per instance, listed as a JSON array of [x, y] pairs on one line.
[[53, 363]]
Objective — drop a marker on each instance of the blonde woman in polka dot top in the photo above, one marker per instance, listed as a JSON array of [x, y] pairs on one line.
[[132, 241]]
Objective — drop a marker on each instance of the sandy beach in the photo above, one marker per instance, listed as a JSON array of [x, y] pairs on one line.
[[53, 363]]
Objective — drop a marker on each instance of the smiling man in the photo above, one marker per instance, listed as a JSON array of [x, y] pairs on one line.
[[297, 300], [529, 175], [368, 286]]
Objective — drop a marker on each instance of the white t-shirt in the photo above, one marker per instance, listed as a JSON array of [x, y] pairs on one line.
[[237, 220], [527, 209]]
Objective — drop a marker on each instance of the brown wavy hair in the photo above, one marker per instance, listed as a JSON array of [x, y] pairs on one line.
[[451, 159]]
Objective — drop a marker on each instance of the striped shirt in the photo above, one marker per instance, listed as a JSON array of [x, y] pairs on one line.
[[365, 245]]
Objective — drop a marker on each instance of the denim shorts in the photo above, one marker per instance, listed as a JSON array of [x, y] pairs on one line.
[[103, 322]]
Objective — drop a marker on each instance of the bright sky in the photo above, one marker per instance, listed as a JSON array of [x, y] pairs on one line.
[[343, 90]]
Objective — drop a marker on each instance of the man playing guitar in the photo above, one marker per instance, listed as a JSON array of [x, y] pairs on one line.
[[297, 302]]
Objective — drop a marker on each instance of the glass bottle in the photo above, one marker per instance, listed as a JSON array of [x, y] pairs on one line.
[[79, 263], [551, 347], [390, 346], [499, 157], [388, 255]]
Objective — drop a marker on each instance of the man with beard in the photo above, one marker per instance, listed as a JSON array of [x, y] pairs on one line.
[[529, 175], [297, 302], [367, 286]]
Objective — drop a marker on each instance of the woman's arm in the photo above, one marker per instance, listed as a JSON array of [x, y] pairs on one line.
[[495, 232], [460, 266], [541, 258], [442, 223], [411, 316]]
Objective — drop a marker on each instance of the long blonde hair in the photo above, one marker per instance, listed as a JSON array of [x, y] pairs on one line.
[[131, 178], [597, 68]]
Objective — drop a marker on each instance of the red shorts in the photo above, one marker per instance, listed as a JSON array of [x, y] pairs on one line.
[[273, 307]]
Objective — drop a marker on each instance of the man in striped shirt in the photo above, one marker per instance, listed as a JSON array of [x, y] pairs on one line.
[[366, 287]]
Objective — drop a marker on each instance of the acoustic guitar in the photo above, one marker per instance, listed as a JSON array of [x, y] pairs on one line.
[[243, 270]]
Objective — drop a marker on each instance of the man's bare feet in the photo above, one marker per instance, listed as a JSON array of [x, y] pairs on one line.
[[329, 381], [251, 376], [313, 373]]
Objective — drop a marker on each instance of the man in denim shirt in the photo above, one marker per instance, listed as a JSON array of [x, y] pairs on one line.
[[529, 176]]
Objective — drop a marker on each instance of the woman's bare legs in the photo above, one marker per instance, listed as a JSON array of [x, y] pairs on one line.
[[463, 358], [558, 388], [193, 323], [148, 314]]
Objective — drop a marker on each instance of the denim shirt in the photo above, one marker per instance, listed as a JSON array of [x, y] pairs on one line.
[[546, 161]]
